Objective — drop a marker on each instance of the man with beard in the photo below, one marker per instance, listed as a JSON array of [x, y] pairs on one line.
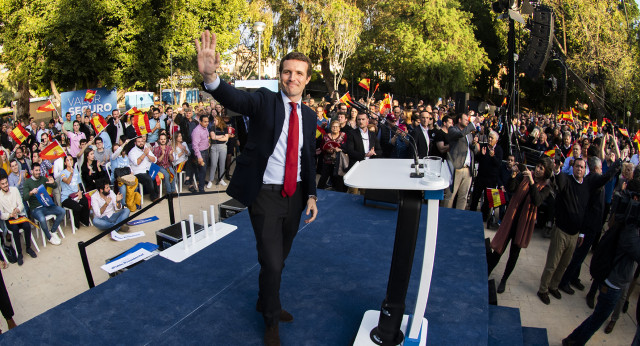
[[140, 159], [107, 208]]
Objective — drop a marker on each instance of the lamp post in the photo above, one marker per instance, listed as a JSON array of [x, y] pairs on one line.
[[259, 28]]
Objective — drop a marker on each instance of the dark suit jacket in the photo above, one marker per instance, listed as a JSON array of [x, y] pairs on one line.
[[355, 148], [421, 142], [112, 131], [489, 166], [266, 112]]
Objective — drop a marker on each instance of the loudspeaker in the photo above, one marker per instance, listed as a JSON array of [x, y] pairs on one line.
[[462, 100], [540, 42]]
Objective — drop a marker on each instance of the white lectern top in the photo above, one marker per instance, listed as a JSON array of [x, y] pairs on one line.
[[393, 174]]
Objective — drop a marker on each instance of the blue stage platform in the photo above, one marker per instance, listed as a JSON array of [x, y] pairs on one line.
[[338, 269]]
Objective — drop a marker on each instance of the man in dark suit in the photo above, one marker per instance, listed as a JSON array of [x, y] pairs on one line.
[[489, 159], [359, 139], [422, 134], [275, 174]]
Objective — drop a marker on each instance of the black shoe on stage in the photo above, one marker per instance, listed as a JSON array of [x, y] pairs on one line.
[[544, 297], [285, 316], [577, 284], [501, 286], [566, 288], [556, 294]]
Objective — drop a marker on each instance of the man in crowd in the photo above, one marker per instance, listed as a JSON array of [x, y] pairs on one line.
[[101, 154], [140, 159], [489, 160], [42, 130], [422, 134], [107, 208], [68, 123], [362, 144], [39, 211], [12, 208], [440, 142], [155, 125], [200, 144], [74, 138], [115, 126]]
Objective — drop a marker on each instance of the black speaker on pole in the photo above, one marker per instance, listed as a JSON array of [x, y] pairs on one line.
[[462, 100], [540, 42]]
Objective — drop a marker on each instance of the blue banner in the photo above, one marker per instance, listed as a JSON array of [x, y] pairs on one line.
[[43, 196], [141, 221], [153, 170], [103, 103]]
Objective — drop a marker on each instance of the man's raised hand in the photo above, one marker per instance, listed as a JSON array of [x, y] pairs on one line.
[[208, 58]]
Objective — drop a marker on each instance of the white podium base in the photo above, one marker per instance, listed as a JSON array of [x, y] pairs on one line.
[[370, 321], [177, 252]]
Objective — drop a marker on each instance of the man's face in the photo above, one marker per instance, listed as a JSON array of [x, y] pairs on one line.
[[578, 169], [464, 120], [14, 167], [566, 140], [162, 140], [204, 121], [140, 142], [99, 144], [397, 112], [156, 115], [425, 119], [342, 118], [87, 112], [320, 112], [344, 109], [106, 190], [42, 125], [116, 114], [19, 153], [293, 78], [362, 121], [76, 127], [4, 185], [447, 124], [36, 172], [189, 115], [44, 139], [493, 139], [68, 116], [510, 162]]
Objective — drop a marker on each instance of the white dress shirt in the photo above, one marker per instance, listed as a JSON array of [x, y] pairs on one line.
[[144, 166], [365, 141]]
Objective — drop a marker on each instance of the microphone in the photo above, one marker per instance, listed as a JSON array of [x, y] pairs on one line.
[[392, 127]]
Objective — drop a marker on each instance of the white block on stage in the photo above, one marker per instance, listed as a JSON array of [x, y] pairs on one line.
[[177, 253], [370, 321]]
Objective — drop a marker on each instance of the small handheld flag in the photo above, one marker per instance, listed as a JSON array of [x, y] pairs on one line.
[[52, 151], [19, 134], [133, 111], [624, 132], [386, 103], [98, 124], [141, 124], [345, 98], [88, 97], [550, 152], [47, 107], [180, 166], [495, 197], [365, 83]]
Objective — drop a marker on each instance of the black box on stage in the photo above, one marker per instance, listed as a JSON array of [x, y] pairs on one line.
[[230, 208], [167, 237]]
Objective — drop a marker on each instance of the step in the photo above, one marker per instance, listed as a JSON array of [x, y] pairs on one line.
[[535, 336], [505, 327]]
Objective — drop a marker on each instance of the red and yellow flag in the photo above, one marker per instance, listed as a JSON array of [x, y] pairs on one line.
[[386, 103], [566, 116], [345, 98], [98, 123], [88, 97], [594, 126], [624, 132], [21, 219], [19, 134], [376, 88], [180, 167], [52, 151], [551, 152], [320, 131], [47, 107], [133, 111], [636, 138], [140, 123], [504, 102], [495, 197], [365, 83]]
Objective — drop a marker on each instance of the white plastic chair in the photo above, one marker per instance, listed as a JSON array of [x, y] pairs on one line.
[[73, 223]]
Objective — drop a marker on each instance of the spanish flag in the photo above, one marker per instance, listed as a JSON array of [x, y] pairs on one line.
[[386, 103], [376, 88], [565, 116], [636, 138], [98, 123], [495, 197], [133, 111], [551, 152], [140, 123], [21, 219], [47, 107], [365, 83], [594, 125], [320, 131], [52, 151], [19, 134], [88, 97], [624, 132], [345, 98], [180, 167]]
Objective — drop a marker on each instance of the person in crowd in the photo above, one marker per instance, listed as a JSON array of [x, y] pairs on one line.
[[187, 125], [164, 153], [156, 126], [219, 136], [361, 144], [41, 130], [332, 144], [71, 195], [102, 155], [45, 165], [17, 177], [462, 148], [12, 208], [200, 144], [232, 142], [108, 208], [39, 211], [74, 138], [573, 193], [140, 159], [180, 151], [5, 301], [489, 160], [351, 119], [91, 170], [440, 141], [22, 158], [68, 123], [422, 135]]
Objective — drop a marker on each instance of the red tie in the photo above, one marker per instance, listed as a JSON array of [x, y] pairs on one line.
[[291, 163]]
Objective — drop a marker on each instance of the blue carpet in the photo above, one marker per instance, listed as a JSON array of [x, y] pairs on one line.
[[338, 268], [535, 336], [504, 326]]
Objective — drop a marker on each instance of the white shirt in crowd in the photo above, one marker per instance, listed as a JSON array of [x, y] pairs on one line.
[[144, 166], [365, 141], [97, 202]]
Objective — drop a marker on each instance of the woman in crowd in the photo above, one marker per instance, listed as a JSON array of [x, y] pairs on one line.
[[529, 191], [331, 145], [219, 137], [91, 170], [164, 155], [180, 151], [351, 121], [71, 196]]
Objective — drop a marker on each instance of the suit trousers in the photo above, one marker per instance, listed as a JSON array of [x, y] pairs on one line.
[[561, 248], [275, 220], [461, 185]]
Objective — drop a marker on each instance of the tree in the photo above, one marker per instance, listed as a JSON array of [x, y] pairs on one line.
[[341, 36]]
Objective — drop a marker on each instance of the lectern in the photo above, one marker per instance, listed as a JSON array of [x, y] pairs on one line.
[[390, 326]]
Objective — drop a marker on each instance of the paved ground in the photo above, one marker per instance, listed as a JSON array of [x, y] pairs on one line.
[[57, 275]]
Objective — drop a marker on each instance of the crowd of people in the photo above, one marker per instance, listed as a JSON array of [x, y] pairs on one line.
[[557, 175]]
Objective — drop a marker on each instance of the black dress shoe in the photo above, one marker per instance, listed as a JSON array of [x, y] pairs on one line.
[[544, 297], [609, 328], [556, 294], [272, 336], [568, 342], [285, 316], [577, 284], [32, 253], [566, 288], [591, 300], [625, 307], [501, 286]]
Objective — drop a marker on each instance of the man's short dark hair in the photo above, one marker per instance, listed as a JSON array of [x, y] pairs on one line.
[[76, 121], [296, 56], [101, 183], [34, 165], [67, 113], [155, 109], [445, 118], [168, 108], [123, 138], [99, 139], [203, 117], [83, 141], [459, 117]]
